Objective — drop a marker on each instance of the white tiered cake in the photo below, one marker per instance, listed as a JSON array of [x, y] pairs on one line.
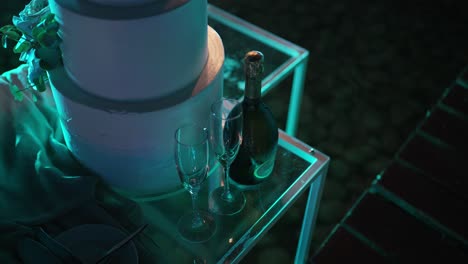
[[134, 71]]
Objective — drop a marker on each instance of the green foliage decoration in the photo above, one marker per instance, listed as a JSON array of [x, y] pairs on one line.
[[40, 47]]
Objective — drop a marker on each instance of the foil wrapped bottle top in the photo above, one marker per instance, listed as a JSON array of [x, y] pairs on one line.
[[253, 70]]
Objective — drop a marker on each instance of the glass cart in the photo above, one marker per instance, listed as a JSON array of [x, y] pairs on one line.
[[298, 168]]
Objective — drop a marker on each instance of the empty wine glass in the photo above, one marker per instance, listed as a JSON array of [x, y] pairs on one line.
[[191, 156], [226, 137]]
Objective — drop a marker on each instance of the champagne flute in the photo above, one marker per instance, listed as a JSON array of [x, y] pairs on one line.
[[191, 156], [225, 137]]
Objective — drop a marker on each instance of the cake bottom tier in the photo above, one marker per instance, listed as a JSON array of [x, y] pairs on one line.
[[131, 145]]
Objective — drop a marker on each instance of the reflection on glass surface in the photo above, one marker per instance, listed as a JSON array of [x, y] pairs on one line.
[[163, 214]]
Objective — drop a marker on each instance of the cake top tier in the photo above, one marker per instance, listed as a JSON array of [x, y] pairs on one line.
[[121, 2], [121, 9]]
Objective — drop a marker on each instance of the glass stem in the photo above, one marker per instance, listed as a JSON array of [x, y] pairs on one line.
[[227, 195], [197, 220]]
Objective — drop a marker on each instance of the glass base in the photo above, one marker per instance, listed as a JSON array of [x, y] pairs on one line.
[[222, 205], [197, 232]]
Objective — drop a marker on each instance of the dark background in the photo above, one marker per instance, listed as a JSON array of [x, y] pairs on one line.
[[375, 67]]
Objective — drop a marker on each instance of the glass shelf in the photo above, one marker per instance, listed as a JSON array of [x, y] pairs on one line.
[[282, 59], [297, 167]]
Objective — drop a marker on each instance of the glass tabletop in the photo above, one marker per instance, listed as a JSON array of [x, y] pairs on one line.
[[239, 37], [297, 167]]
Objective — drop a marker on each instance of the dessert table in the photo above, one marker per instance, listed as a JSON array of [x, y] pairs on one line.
[[298, 166], [42, 185]]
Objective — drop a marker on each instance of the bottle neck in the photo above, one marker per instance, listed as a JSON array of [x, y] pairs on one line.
[[253, 70], [253, 88]]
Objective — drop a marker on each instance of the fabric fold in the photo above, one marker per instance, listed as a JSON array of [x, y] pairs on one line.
[[39, 178]]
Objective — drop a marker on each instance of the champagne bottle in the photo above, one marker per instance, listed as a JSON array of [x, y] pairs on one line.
[[256, 157]]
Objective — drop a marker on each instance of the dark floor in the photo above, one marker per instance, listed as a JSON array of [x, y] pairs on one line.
[[375, 68], [416, 209]]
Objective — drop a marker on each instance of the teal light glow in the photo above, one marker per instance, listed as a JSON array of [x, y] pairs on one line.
[[285, 142], [262, 173]]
